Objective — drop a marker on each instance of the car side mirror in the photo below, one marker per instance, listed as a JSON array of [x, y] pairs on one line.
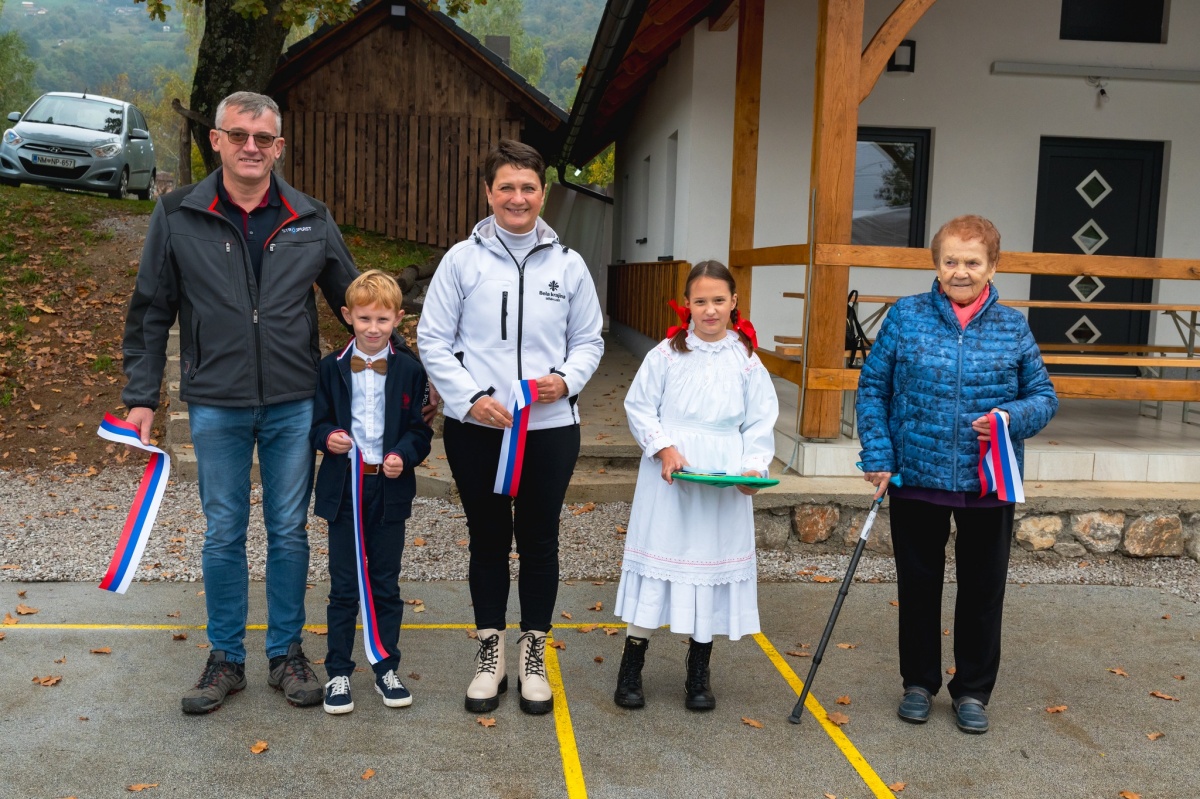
[[15, 116], [138, 133]]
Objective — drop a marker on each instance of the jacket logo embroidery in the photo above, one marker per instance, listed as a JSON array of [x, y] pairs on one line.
[[553, 294], [293, 229]]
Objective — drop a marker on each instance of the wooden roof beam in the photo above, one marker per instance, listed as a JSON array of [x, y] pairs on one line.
[[723, 15], [886, 40], [746, 105]]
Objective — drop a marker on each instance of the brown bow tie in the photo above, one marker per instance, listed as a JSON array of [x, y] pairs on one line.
[[357, 364]]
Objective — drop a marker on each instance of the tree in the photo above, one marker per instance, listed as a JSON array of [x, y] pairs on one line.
[[503, 18], [16, 89], [241, 43]]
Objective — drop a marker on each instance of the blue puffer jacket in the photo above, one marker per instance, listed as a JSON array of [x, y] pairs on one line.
[[927, 379]]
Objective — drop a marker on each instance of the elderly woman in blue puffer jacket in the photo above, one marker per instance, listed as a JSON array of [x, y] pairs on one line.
[[943, 361]]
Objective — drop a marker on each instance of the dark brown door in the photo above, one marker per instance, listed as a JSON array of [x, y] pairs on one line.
[[1097, 197]]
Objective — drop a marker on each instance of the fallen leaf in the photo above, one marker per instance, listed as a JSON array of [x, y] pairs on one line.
[[567, 616], [25, 610], [484, 722], [806, 572], [1161, 695], [1154, 736], [8, 619], [259, 747], [513, 556], [418, 542], [945, 632], [179, 636], [412, 675], [414, 601], [174, 615], [419, 608], [752, 723], [897, 786], [62, 659], [1166, 617], [621, 530], [2, 635], [20, 593], [558, 644], [837, 718], [1056, 709], [1179, 676], [843, 700], [48, 680], [587, 628], [598, 659], [319, 629], [462, 542], [598, 582], [611, 631], [141, 786], [829, 796], [821, 578], [9, 567], [1120, 672], [597, 606], [83, 718], [472, 635], [368, 774], [847, 646], [797, 654], [952, 670], [894, 603], [1129, 795]]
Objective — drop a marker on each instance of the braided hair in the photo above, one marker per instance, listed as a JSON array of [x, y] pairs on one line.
[[717, 271]]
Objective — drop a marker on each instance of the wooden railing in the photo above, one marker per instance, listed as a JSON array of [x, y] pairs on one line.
[[638, 294], [410, 177]]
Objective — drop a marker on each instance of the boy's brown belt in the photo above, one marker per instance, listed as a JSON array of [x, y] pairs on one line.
[[370, 468]]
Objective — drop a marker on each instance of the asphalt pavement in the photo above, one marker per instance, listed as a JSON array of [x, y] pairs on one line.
[[1094, 654]]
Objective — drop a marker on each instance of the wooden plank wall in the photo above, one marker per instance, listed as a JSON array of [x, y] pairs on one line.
[[638, 294], [418, 178]]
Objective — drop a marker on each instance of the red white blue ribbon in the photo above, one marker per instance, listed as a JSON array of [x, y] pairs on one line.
[[372, 643], [512, 448], [998, 469], [141, 516]]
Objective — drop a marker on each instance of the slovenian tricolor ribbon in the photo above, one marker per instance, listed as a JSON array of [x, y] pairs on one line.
[[998, 469], [512, 448], [141, 516], [372, 643]]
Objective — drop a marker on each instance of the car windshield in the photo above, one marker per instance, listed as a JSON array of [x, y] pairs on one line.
[[76, 112]]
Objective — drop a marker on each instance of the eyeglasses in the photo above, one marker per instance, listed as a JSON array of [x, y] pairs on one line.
[[238, 138]]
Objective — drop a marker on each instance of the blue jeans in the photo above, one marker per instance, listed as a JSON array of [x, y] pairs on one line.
[[224, 439]]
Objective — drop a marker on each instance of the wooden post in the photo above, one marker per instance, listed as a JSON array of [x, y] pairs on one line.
[[747, 95], [835, 135]]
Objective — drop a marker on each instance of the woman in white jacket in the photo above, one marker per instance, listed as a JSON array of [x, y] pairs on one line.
[[511, 317]]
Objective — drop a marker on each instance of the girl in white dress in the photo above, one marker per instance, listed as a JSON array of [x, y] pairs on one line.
[[701, 399]]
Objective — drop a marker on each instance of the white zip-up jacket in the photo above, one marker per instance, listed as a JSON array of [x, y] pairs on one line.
[[489, 320]]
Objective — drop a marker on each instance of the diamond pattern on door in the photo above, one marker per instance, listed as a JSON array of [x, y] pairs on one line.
[[1093, 189], [1086, 287], [1083, 332], [1090, 237]]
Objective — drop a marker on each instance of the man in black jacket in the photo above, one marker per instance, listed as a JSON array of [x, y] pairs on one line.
[[235, 257]]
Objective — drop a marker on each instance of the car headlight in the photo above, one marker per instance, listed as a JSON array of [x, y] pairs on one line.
[[107, 150], [11, 137]]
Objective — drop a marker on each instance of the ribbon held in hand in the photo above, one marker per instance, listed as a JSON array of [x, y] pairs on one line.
[[512, 448], [141, 516], [998, 469], [685, 317], [372, 643]]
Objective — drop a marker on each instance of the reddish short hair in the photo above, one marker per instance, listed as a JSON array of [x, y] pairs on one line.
[[968, 228]]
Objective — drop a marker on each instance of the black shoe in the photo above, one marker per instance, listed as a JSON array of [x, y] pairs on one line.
[[220, 679], [292, 674], [971, 715], [914, 705], [629, 678], [699, 695]]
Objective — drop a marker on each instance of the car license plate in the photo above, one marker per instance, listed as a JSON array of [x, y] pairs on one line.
[[53, 160]]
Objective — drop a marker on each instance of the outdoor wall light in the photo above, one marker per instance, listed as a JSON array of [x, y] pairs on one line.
[[905, 57]]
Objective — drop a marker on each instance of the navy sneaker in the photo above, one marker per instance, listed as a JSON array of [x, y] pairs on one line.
[[337, 696], [914, 705], [971, 715], [394, 693]]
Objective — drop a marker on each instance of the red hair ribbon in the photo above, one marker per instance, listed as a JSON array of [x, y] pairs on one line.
[[685, 316], [743, 326]]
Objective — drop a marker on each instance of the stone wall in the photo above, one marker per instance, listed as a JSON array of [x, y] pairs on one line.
[[833, 527]]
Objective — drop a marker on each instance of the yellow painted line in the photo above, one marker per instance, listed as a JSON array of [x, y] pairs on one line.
[[308, 627], [572, 770], [848, 750]]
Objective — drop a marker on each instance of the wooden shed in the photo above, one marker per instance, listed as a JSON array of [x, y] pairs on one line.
[[389, 116]]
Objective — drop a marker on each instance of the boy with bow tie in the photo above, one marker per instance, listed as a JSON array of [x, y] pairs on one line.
[[367, 422]]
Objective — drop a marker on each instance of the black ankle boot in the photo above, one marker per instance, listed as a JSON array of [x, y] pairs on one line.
[[699, 695], [629, 678]]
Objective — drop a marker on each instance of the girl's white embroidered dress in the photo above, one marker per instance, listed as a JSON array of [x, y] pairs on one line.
[[689, 551]]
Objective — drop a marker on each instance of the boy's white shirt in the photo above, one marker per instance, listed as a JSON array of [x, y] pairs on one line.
[[367, 407]]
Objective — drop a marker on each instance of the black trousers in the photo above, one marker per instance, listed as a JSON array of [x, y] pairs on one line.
[[981, 551], [493, 520], [384, 547]]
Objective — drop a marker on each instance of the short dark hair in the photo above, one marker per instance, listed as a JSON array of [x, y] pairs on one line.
[[516, 154]]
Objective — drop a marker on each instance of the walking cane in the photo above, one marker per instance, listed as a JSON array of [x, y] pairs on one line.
[[837, 605]]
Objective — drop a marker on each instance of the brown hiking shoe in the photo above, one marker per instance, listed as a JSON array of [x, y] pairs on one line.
[[220, 678], [292, 674]]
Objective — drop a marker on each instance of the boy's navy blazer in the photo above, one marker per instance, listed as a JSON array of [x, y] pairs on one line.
[[404, 429]]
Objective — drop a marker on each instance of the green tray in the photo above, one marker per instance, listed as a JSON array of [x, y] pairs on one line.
[[725, 479]]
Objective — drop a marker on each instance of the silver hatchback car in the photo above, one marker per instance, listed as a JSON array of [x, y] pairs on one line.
[[80, 141]]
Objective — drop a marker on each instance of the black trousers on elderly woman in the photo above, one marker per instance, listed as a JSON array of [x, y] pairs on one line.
[[920, 531]]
